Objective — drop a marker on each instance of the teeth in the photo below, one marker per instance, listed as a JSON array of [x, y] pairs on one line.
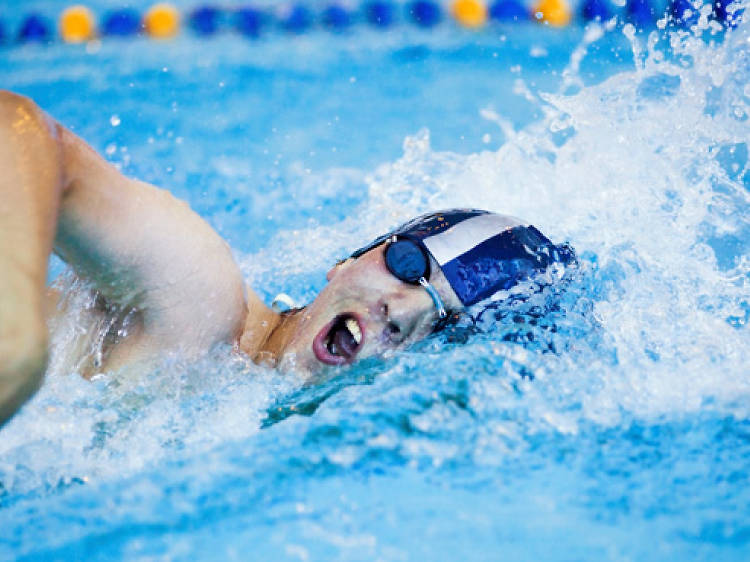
[[354, 330]]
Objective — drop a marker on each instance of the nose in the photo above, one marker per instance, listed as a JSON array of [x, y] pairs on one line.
[[403, 312]]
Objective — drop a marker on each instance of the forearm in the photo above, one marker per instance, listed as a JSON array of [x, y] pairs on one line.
[[31, 182]]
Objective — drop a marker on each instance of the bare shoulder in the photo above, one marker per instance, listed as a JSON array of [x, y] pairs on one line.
[[141, 247], [194, 290], [146, 249]]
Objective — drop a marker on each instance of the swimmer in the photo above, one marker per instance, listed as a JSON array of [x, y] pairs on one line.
[[147, 253]]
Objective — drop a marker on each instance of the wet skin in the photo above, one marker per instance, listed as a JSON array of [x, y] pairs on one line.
[[146, 252]]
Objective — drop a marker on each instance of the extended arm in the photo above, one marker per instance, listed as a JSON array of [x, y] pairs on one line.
[[142, 248]]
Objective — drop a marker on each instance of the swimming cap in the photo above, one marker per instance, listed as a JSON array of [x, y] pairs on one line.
[[480, 252]]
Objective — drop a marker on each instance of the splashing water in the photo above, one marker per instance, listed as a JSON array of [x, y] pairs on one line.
[[620, 411]]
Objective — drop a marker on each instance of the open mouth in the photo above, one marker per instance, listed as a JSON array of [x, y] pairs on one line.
[[340, 340]]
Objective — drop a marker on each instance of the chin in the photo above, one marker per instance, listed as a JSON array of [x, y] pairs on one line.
[[292, 364], [298, 358], [303, 362]]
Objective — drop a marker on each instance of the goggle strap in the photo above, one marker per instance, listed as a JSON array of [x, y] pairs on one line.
[[435, 297]]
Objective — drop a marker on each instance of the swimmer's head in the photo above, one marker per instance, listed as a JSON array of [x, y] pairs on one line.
[[410, 282]]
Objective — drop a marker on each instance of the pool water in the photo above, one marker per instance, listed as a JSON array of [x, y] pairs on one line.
[[607, 419]]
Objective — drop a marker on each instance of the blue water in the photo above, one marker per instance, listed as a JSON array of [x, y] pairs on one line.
[[609, 420]]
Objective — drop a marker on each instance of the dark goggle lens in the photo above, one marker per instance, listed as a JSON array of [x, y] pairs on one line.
[[406, 260]]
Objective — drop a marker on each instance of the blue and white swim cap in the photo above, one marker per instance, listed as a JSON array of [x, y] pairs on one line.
[[479, 252]]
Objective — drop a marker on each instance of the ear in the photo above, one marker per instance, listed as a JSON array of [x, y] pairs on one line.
[[338, 267]]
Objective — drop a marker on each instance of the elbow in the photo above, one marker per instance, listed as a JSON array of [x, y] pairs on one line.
[[22, 370], [11, 104], [23, 116], [11, 98], [30, 139]]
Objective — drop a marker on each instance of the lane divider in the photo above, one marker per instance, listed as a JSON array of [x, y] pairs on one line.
[[77, 23], [162, 21], [553, 12], [470, 13]]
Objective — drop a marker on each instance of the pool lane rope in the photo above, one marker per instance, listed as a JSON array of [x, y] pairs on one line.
[[77, 24]]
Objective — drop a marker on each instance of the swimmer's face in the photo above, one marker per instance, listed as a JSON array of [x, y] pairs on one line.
[[364, 311]]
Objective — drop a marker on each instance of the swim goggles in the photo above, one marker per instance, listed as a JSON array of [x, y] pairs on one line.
[[479, 253], [408, 261]]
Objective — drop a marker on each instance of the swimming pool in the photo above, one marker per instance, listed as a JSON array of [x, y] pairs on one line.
[[615, 426]]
